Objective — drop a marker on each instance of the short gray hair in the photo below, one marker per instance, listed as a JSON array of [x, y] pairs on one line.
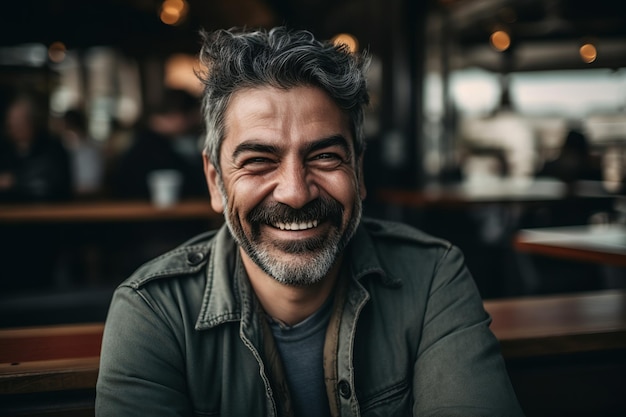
[[236, 59]]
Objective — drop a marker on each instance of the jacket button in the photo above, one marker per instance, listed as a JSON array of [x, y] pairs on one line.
[[194, 258], [344, 389]]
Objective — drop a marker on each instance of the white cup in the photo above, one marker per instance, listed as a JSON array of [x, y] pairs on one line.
[[165, 187]]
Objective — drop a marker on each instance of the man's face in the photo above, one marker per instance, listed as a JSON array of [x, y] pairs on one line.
[[290, 185]]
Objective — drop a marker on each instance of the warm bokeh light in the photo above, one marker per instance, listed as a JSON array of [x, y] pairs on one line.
[[57, 51], [346, 39], [500, 40], [177, 5], [588, 53], [173, 12], [180, 73]]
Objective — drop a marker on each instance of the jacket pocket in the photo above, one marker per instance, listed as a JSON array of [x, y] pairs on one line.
[[394, 400]]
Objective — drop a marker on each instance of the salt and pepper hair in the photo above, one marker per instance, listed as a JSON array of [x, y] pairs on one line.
[[236, 59]]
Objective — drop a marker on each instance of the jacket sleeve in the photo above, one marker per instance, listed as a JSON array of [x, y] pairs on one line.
[[141, 364], [459, 370]]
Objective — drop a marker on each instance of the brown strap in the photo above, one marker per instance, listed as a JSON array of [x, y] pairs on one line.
[[277, 376], [331, 344]]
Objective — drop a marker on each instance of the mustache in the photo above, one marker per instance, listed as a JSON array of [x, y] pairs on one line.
[[275, 212]]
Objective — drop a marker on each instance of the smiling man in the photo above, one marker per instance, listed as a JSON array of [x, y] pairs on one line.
[[297, 306]]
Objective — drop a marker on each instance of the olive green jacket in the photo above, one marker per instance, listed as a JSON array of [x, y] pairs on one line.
[[184, 336]]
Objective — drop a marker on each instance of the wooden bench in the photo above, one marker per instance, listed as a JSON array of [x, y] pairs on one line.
[[49, 358], [49, 370], [65, 358]]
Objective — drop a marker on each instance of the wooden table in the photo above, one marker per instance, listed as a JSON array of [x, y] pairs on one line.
[[106, 211], [604, 244], [559, 324], [565, 354]]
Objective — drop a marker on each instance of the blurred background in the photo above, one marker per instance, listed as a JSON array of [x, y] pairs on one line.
[[487, 117], [499, 125]]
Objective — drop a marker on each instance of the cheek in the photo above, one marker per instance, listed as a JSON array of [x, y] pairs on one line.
[[341, 186], [245, 194]]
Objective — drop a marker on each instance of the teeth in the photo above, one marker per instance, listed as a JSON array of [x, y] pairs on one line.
[[296, 226]]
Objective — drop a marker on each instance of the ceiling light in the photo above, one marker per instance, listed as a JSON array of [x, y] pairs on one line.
[[500, 40], [588, 53], [173, 12]]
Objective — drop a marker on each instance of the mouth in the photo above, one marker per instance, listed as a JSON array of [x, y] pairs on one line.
[[296, 225]]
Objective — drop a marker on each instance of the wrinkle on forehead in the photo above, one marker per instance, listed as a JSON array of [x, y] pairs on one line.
[[267, 109]]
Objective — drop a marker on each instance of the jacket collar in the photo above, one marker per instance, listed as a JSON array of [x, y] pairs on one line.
[[363, 257], [228, 295], [220, 303]]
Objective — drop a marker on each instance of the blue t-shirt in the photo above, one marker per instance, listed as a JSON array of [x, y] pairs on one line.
[[301, 348]]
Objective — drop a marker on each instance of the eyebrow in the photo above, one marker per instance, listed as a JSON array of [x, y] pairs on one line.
[[254, 147], [334, 140]]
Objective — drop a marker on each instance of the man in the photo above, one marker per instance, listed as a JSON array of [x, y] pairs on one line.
[[297, 307], [34, 165], [160, 142]]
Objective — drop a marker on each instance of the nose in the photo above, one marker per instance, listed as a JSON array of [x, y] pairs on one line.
[[295, 186]]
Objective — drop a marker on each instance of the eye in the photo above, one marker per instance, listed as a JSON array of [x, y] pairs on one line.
[[256, 160], [326, 155], [326, 160], [257, 164]]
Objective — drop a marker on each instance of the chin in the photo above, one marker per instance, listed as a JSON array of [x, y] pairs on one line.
[[296, 269]]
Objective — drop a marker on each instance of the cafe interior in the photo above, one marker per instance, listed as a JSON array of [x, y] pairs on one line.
[[499, 125]]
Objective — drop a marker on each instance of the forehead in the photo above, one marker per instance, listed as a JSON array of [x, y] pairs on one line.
[[294, 113]]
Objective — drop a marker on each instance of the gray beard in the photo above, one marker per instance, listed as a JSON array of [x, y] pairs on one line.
[[315, 257]]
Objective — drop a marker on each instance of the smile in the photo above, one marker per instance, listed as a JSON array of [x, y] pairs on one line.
[[296, 226]]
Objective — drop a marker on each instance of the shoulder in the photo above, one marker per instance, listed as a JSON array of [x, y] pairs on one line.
[[387, 231], [397, 251], [187, 259]]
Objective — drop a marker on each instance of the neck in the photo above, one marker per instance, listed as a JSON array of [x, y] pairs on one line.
[[286, 303]]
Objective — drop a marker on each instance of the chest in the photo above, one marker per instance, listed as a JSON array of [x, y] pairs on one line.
[[229, 373]]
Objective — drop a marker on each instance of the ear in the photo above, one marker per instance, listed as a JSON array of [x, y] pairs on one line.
[[212, 178], [360, 178]]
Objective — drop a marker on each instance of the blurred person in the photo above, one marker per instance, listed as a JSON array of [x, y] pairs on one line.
[[86, 156], [34, 168], [161, 142], [544, 275], [297, 306], [575, 161], [34, 165]]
